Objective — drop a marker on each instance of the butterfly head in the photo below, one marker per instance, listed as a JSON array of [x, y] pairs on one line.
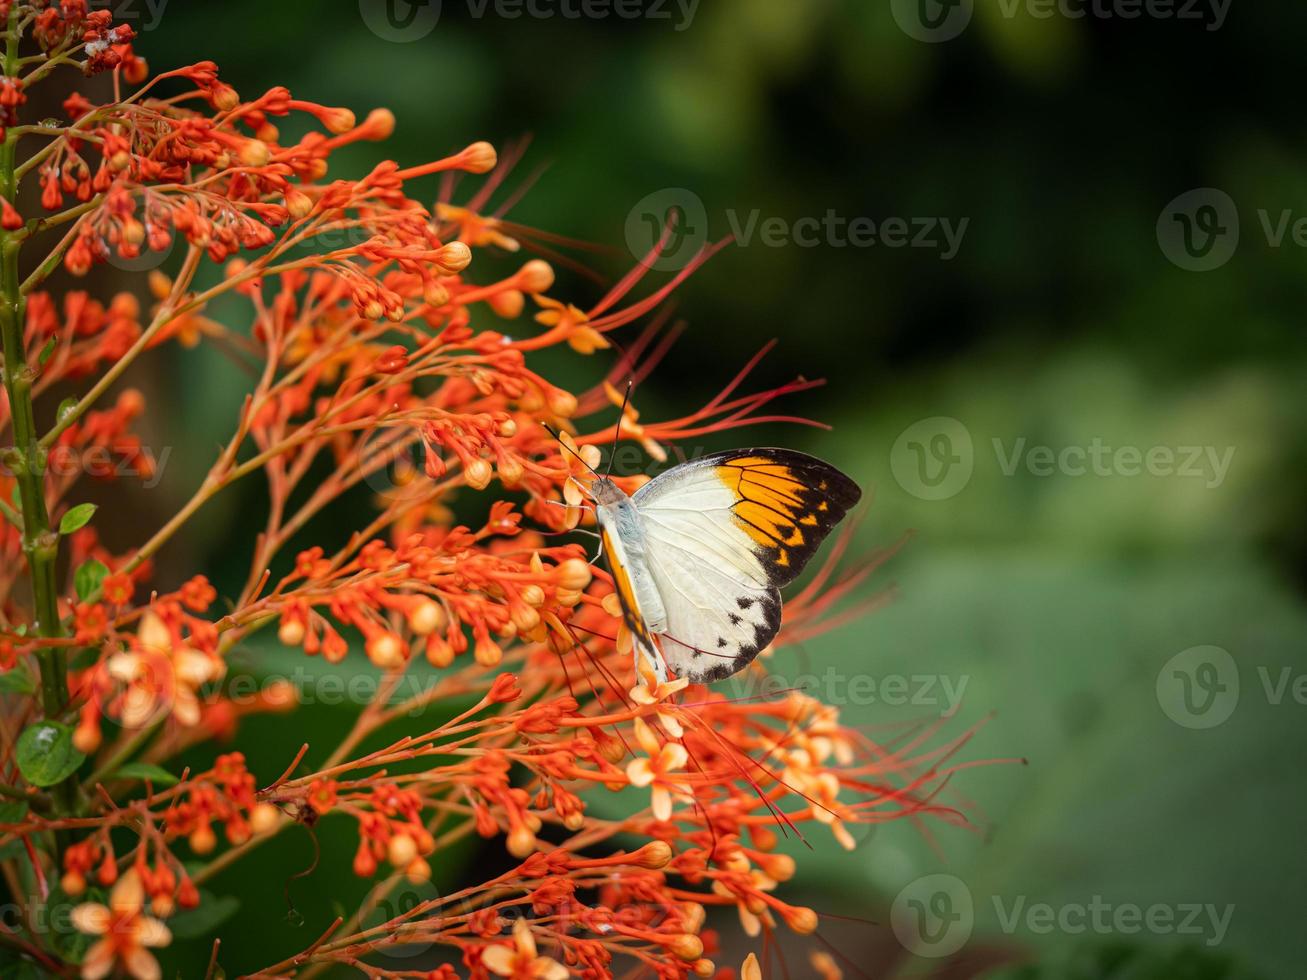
[[604, 491]]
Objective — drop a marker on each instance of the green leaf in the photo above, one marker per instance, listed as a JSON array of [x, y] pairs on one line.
[[205, 917], [88, 576], [17, 681], [77, 517], [143, 771], [65, 406], [46, 754], [46, 351], [13, 811]]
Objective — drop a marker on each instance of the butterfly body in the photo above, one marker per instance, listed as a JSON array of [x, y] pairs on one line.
[[699, 554]]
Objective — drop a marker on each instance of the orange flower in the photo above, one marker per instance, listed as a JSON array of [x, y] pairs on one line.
[[520, 961], [161, 675], [127, 932], [665, 758]]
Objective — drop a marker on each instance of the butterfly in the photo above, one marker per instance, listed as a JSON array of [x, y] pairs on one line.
[[700, 553]]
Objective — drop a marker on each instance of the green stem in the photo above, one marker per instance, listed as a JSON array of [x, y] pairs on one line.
[[26, 458]]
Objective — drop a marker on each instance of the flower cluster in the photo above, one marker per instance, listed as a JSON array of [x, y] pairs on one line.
[[381, 359]]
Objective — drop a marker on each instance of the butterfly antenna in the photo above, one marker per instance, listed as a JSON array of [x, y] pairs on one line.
[[617, 430], [554, 432]]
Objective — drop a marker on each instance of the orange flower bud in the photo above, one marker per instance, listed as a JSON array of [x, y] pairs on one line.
[[686, 947], [574, 574], [521, 842], [654, 855], [401, 850], [264, 817], [426, 616], [385, 649], [479, 158], [801, 920], [536, 276], [439, 652], [487, 652]]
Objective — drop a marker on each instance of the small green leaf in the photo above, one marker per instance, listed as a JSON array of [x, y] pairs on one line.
[[202, 920], [46, 351], [17, 681], [46, 754], [65, 406], [143, 771], [13, 811], [77, 517], [88, 577]]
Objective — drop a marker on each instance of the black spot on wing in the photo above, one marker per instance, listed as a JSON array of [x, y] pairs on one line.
[[708, 667]]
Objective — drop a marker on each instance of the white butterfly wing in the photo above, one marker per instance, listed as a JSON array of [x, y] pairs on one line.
[[722, 535]]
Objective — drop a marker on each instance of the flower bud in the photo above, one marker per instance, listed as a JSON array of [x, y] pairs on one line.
[[73, 883], [439, 652], [401, 850], [417, 871], [203, 839], [801, 920], [487, 652], [750, 970], [686, 947], [574, 574], [521, 842], [298, 204], [477, 472], [426, 617], [264, 817], [454, 257], [479, 158], [338, 120], [385, 650], [291, 632], [536, 276], [653, 855]]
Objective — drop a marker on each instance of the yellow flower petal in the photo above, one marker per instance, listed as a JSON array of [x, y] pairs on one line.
[[499, 959], [91, 918]]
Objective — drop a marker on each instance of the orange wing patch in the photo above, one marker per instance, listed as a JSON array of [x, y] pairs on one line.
[[783, 502]]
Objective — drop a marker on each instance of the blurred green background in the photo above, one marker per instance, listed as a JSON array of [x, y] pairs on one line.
[[1053, 602]]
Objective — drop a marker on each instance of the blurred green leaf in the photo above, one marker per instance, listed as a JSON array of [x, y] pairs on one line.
[[45, 753], [76, 518], [144, 771], [88, 577]]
